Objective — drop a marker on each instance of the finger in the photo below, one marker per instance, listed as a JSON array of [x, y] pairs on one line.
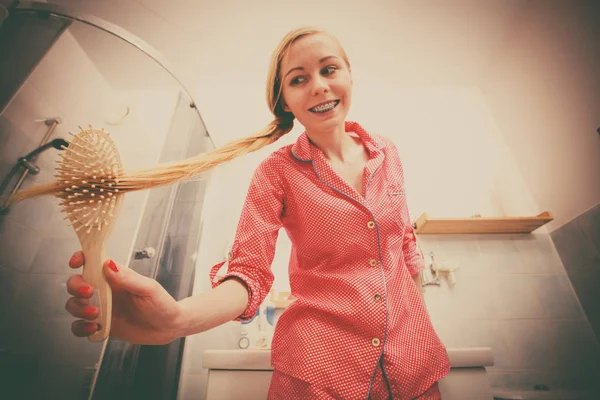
[[128, 280], [77, 260], [79, 308], [82, 328], [77, 287]]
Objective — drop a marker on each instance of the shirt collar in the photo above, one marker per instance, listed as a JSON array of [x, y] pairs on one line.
[[304, 150]]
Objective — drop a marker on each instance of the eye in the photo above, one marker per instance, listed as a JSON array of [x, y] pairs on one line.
[[297, 80], [329, 70]]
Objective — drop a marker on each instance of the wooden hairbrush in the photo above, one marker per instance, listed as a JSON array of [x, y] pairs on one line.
[[89, 172]]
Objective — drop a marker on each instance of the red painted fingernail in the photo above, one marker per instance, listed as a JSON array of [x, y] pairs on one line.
[[89, 328], [84, 291], [89, 310], [113, 266], [72, 260]]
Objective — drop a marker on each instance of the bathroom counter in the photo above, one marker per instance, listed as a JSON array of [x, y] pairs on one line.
[[260, 360]]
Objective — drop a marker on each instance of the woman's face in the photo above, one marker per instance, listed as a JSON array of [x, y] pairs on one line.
[[316, 82]]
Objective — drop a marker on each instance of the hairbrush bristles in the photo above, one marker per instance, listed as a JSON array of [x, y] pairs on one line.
[[89, 176]]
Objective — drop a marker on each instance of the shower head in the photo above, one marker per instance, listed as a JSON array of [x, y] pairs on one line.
[[58, 143], [27, 161]]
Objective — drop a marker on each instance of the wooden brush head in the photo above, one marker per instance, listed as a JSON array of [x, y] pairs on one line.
[[89, 176]]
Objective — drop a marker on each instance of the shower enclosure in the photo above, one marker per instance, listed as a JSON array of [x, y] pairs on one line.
[[60, 70]]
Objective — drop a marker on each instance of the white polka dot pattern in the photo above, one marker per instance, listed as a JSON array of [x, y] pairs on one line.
[[286, 387], [351, 265]]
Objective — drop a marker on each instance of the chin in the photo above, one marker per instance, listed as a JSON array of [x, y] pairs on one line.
[[334, 121], [328, 123], [324, 125]]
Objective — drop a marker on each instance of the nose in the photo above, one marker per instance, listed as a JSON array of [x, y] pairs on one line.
[[319, 85]]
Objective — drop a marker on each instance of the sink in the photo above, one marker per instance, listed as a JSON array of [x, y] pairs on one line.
[[235, 374]]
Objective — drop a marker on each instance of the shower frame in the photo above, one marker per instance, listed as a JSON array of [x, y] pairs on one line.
[[73, 14]]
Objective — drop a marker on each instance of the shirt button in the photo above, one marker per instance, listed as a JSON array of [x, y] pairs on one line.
[[371, 225], [377, 297], [375, 342], [373, 263]]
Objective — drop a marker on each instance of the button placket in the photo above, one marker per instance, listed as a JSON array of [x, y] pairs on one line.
[[375, 342]]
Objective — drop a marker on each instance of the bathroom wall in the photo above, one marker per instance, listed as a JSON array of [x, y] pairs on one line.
[[543, 88], [513, 294], [36, 243], [16, 35], [578, 244]]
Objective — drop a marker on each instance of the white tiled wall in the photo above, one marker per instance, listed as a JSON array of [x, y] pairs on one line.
[[578, 244], [512, 294]]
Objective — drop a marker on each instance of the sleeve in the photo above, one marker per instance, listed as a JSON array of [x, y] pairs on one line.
[[256, 236], [413, 256]]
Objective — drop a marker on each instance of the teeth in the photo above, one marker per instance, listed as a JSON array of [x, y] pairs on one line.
[[324, 107]]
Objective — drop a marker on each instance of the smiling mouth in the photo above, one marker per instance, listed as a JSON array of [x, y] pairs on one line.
[[322, 108]]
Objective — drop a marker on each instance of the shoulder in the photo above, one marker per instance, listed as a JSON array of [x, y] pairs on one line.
[[276, 161], [392, 156], [272, 168], [387, 145], [384, 142]]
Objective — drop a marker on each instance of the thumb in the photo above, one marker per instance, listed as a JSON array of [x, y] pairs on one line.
[[127, 279]]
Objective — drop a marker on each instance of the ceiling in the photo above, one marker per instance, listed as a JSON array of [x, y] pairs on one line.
[[411, 42], [454, 40]]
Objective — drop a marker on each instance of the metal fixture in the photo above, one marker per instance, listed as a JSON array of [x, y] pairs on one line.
[[27, 161], [147, 252]]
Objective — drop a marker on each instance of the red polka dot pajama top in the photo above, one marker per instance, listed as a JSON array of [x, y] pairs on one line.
[[358, 320]]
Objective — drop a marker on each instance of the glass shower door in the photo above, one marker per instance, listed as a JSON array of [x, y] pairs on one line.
[[151, 118], [166, 250]]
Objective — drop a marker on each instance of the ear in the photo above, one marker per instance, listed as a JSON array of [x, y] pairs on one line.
[[285, 106]]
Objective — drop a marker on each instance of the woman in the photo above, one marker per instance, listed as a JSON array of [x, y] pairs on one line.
[[358, 327]]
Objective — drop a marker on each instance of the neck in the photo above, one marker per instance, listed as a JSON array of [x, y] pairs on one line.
[[335, 143]]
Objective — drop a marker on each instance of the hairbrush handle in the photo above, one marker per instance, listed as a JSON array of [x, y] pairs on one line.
[[93, 274]]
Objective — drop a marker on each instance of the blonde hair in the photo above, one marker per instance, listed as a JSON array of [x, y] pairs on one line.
[[160, 175]]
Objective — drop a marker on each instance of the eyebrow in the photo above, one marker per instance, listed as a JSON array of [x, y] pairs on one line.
[[302, 68]]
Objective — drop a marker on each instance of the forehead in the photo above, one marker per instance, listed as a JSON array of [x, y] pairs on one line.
[[309, 49]]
